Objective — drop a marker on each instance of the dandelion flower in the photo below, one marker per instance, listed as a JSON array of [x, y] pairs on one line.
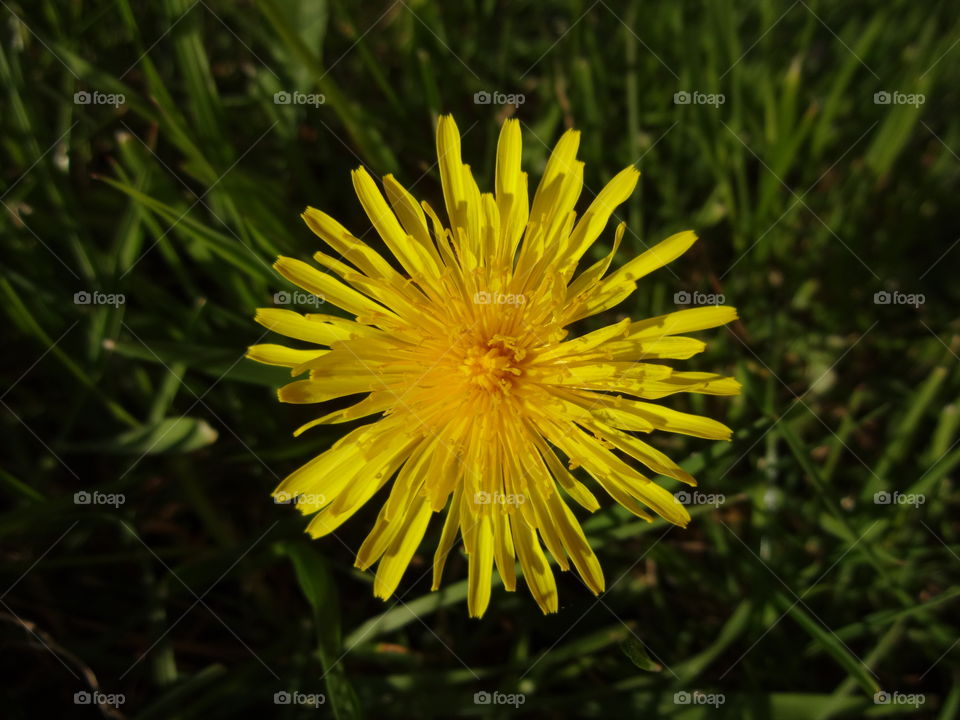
[[479, 402]]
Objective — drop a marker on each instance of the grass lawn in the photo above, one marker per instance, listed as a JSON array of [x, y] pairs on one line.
[[154, 160]]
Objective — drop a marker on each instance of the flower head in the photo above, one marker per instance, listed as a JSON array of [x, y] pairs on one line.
[[478, 400]]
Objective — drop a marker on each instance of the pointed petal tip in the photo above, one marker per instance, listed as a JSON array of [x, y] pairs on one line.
[[596, 585], [446, 121], [550, 608]]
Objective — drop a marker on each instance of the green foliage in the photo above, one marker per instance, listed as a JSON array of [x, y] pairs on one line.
[[829, 570]]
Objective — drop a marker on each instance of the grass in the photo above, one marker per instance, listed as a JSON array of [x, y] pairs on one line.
[[800, 596]]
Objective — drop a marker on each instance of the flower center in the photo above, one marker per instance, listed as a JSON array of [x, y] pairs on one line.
[[493, 366]]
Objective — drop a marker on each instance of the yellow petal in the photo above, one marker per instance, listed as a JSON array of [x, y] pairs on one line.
[[576, 545], [396, 559], [618, 286], [587, 342], [666, 348], [269, 354], [560, 185], [588, 279], [648, 455], [351, 248], [450, 527], [364, 483], [312, 328], [536, 570], [411, 479], [637, 415], [451, 171], [661, 254], [375, 402], [328, 288], [481, 567], [331, 471], [692, 382], [595, 219], [683, 321], [504, 553], [305, 392], [411, 215], [511, 189], [412, 256], [575, 489], [546, 525], [605, 467]]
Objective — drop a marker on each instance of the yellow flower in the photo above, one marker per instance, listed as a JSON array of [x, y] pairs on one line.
[[463, 357]]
